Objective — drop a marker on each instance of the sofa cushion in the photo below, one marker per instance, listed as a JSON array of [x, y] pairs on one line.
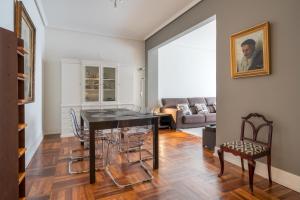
[[184, 108], [193, 109], [210, 100], [172, 102], [201, 108], [211, 109], [193, 119], [210, 117], [194, 100]]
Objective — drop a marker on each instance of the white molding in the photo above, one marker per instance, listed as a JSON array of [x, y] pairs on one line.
[[69, 61], [67, 135], [175, 16], [31, 150], [94, 33], [41, 12], [52, 132], [70, 105], [279, 176]]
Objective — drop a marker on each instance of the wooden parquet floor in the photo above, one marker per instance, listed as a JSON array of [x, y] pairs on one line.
[[186, 172]]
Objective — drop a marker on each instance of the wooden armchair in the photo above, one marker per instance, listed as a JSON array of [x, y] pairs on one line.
[[250, 148]]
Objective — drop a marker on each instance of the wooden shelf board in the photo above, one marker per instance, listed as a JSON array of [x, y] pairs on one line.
[[22, 151], [21, 127], [21, 102], [21, 176], [21, 76], [20, 53], [22, 50]]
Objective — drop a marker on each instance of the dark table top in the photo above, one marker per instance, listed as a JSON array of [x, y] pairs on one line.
[[109, 115]]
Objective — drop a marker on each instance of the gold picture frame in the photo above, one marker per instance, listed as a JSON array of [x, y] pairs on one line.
[[249, 52], [25, 30]]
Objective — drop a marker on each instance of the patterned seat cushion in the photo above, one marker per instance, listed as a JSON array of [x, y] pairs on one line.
[[246, 147]]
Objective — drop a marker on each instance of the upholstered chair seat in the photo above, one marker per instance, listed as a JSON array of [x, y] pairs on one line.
[[246, 147]]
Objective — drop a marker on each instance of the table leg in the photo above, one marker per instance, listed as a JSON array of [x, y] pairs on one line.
[[82, 127], [155, 143], [92, 155]]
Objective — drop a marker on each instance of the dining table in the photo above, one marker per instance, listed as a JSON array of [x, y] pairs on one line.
[[101, 119]]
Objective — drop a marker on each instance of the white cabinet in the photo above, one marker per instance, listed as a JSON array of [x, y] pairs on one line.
[[70, 93], [96, 85], [99, 83], [91, 83], [109, 84]]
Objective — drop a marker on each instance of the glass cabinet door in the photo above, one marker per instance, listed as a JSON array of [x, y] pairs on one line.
[[91, 83], [109, 84]]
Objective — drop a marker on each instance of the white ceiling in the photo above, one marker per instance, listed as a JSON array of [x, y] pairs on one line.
[[133, 19]]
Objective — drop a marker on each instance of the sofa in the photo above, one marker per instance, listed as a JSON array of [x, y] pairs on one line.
[[179, 120]]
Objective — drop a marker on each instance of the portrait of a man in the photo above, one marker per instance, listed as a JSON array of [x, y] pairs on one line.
[[250, 52], [252, 57]]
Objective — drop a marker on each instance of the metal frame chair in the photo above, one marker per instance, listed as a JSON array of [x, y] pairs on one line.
[[83, 136], [117, 139], [131, 142]]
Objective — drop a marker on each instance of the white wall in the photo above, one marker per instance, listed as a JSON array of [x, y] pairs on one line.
[[7, 14], [33, 114], [61, 44], [187, 66]]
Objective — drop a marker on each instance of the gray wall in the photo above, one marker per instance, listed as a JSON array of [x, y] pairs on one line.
[[152, 80], [276, 96]]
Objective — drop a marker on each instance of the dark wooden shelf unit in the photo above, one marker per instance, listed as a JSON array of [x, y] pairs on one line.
[[21, 117], [9, 154]]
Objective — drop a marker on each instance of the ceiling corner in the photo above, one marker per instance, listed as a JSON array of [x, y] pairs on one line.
[[41, 11], [172, 18]]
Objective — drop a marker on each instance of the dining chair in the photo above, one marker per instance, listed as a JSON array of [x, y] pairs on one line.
[[83, 135], [129, 137], [127, 140], [250, 148]]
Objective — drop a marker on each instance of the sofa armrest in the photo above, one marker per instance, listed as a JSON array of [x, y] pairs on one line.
[[179, 115], [172, 111]]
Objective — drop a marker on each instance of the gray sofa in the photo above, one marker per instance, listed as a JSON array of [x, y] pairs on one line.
[[169, 105]]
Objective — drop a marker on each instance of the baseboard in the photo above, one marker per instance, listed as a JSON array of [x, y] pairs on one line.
[[51, 132], [279, 176], [32, 149], [63, 135]]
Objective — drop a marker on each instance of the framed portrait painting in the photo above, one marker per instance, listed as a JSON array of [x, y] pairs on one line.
[[249, 51], [25, 30]]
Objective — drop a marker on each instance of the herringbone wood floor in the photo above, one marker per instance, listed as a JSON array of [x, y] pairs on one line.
[[186, 172]]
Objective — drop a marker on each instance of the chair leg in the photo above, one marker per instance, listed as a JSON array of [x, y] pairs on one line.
[[251, 168], [108, 172], [269, 169], [221, 158], [242, 162]]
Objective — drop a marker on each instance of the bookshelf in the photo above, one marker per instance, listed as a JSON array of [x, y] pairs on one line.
[[9, 154], [21, 77]]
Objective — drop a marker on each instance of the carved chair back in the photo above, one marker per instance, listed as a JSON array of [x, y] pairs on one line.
[[256, 129]]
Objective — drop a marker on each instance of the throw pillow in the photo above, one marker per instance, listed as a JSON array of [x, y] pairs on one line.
[[211, 109], [201, 108], [185, 109], [215, 107]]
